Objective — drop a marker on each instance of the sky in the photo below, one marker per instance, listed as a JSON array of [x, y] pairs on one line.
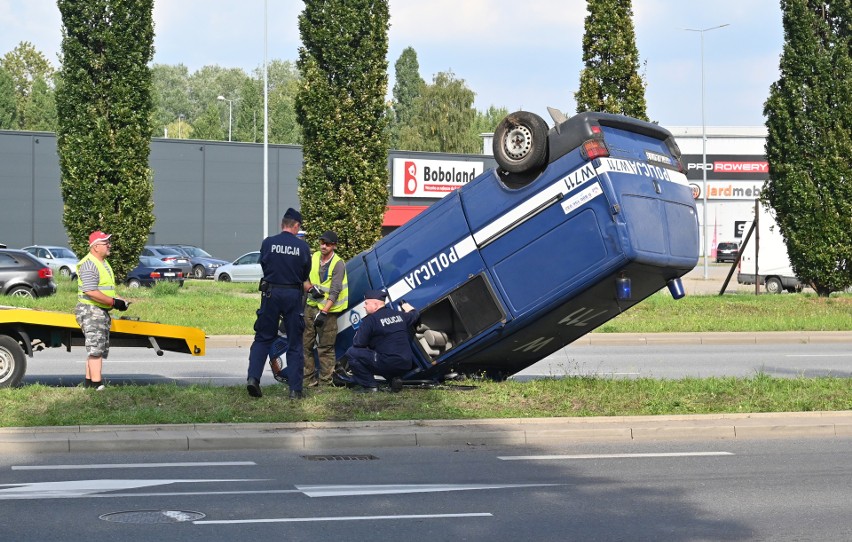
[[515, 55]]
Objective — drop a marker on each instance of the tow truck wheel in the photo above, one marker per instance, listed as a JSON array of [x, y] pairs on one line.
[[13, 362], [773, 285], [520, 142]]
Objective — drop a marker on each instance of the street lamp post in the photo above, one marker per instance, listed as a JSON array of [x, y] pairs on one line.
[[230, 106], [704, 141]]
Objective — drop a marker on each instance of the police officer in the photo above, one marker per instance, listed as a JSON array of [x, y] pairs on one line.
[[328, 298], [382, 343], [286, 263]]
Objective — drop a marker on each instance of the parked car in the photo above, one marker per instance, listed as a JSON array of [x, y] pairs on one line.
[[726, 252], [246, 268], [170, 256], [203, 264], [151, 270], [24, 275], [61, 260]]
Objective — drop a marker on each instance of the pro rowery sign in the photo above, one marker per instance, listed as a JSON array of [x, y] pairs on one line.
[[415, 178]]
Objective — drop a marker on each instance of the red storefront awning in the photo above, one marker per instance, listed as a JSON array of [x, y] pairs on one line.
[[397, 215]]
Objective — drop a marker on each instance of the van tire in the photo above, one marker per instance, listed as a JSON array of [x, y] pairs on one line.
[[13, 362], [774, 286], [520, 142]]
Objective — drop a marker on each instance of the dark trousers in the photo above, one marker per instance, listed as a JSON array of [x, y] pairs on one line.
[[282, 305], [365, 363]]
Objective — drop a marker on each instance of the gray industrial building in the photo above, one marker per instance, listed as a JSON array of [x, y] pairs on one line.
[[206, 193]]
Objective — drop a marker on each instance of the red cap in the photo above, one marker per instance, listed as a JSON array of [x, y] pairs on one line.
[[97, 237]]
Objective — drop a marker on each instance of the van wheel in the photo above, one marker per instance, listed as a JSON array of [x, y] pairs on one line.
[[13, 362], [773, 285], [520, 142]]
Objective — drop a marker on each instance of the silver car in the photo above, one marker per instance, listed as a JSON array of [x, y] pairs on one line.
[[246, 268], [61, 260]]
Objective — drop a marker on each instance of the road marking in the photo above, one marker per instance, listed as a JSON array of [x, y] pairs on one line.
[[134, 465], [104, 489], [85, 488], [397, 489], [342, 518], [817, 355], [610, 456]]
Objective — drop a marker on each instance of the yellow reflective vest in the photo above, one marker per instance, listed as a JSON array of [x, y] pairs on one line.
[[324, 286], [106, 282]]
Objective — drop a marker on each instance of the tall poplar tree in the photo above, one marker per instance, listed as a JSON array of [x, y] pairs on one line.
[[610, 80], [341, 108], [809, 142], [407, 87], [104, 107]]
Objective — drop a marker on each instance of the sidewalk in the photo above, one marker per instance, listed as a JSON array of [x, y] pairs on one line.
[[350, 437]]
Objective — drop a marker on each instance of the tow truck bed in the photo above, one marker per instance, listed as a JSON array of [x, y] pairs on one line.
[[24, 331]]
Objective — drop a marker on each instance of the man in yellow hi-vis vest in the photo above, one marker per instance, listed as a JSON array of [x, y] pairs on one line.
[[328, 296], [95, 298]]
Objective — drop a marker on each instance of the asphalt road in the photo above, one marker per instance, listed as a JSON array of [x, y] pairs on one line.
[[780, 490], [227, 366]]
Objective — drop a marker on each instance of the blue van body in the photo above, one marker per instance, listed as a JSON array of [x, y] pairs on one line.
[[512, 267]]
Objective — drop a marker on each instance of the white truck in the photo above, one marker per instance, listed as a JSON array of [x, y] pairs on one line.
[[764, 257]]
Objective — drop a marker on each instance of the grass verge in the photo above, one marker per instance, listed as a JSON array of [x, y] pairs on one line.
[[39, 405], [229, 309]]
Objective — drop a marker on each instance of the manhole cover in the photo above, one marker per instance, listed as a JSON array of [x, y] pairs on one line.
[[152, 516], [340, 457]]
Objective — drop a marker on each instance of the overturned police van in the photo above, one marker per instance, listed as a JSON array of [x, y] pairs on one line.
[[577, 224]]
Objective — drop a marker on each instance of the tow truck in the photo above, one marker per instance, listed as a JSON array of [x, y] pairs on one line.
[[577, 224], [26, 331]]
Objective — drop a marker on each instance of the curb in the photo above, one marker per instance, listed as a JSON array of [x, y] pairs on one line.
[[634, 339], [306, 436]]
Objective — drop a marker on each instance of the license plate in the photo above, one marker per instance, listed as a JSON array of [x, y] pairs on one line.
[[169, 274]]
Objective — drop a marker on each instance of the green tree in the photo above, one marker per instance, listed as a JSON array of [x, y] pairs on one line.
[[610, 80], [340, 106], [170, 91], [809, 142], [209, 125], [248, 119], [40, 108], [25, 64], [104, 110], [408, 86], [210, 82], [284, 81], [8, 105], [486, 122], [443, 117]]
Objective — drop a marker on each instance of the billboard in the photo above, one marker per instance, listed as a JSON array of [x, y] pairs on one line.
[[420, 178]]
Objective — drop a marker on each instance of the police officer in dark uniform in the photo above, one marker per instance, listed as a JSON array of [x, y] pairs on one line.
[[286, 263], [382, 343]]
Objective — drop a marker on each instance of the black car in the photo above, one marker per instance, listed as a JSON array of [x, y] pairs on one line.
[[203, 264], [151, 270], [24, 275], [726, 252]]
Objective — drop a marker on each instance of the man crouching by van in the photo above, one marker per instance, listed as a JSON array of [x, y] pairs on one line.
[[381, 345]]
